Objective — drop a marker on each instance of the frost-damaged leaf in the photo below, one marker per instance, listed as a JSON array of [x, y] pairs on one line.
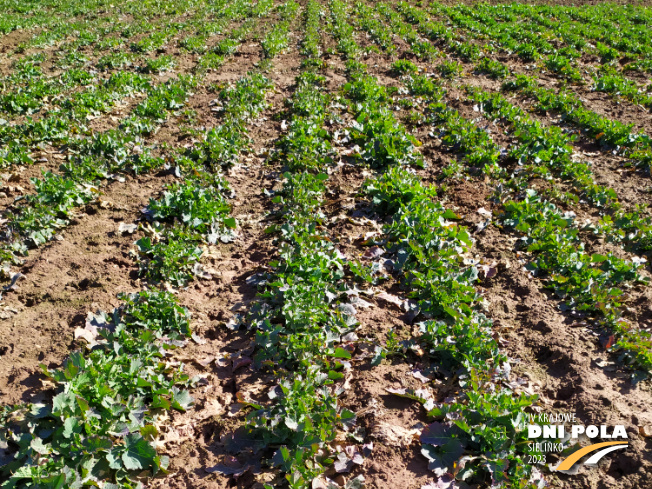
[[230, 466], [373, 252], [235, 322], [240, 361], [342, 464], [124, 228], [394, 435], [392, 299], [322, 482], [484, 212], [350, 337], [421, 395], [354, 454], [198, 339], [7, 312], [419, 376], [14, 280], [488, 271], [89, 334], [444, 482], [199, 271], [367, 448], [482, 225], [379, 355], [205, 362], [442, 459], [355, 483], [357, 302]]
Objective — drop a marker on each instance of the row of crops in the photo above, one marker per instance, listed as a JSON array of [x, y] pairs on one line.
[[97, 85]]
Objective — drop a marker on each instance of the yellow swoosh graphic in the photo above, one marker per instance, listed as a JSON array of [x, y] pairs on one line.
[[571, 459]]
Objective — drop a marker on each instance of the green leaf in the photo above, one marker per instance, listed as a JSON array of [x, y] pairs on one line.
[[436, 434], [347, 417], [181, 399], [39, 411], [449, 214], [63, 401], [340, 353], [464, 237], [160, 402], [39, 447], [333, 375], [149, 432], [71, 426], [139, 454]]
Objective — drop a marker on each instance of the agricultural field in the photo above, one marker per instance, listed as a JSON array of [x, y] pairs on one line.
[[324, 244]]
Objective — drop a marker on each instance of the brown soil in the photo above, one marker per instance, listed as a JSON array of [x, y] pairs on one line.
[[557, 355]]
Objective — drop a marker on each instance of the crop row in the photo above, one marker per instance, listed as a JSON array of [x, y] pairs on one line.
[[198, 205], [153, 25], [609, 133], [529, 31], [593, 283], [301, 315], [607, 78], [569, 271], [117, 392], [102, 426], [487, 418], [628, 226], [300, 325], [588, 283], [27, 88], [304, 321], [635, 225], [36, 218]]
